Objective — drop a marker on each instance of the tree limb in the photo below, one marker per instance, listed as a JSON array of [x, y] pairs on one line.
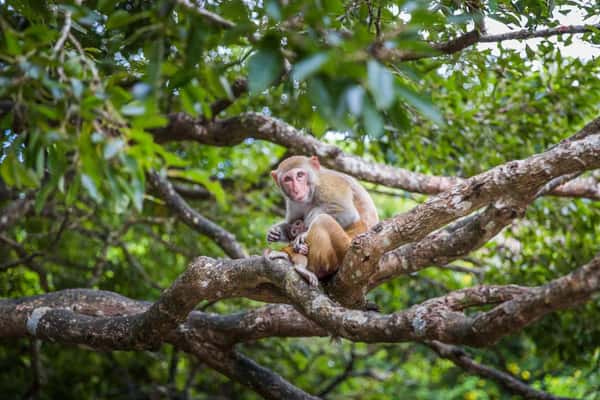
[[194, 219], [510, 383], [516, 183], [46, 317], [388, 54], [234, 130]]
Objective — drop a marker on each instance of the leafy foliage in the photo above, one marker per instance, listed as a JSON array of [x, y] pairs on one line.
[[80, 140]]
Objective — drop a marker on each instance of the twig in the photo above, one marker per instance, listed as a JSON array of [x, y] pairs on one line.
[[210, 17], [194, 219], [510, 383]]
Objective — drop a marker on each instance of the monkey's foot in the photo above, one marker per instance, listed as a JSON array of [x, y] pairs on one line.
[[307, 275], [275, 255]]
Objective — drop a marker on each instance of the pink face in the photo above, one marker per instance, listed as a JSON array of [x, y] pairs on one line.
[[295, 184]]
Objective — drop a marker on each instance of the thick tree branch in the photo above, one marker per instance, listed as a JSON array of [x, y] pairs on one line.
[[440, 318], [455, 241], [246, 371], [510, 383], [442, 247], [516, 183], [108, 321], [232, 131], [94, 317], [223, 238]]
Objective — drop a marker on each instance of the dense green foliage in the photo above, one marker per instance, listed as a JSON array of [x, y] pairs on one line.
[[80, 143]]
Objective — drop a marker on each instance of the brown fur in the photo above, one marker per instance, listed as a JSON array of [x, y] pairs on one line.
[[338, 193]]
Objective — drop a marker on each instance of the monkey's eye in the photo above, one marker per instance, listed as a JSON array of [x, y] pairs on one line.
[[287, 179], [300, 174]]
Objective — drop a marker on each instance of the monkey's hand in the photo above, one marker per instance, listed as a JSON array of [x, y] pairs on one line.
[[300, 245], [276, 233], [307, 275]]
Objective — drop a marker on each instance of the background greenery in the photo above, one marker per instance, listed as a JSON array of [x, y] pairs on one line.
[[86, 146]]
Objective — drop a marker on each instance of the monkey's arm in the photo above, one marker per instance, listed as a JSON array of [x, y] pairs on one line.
[[339, 205], [279, 233], [342, 209], [284, 231]]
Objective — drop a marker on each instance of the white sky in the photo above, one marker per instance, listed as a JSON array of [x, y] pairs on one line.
[[579, 48]]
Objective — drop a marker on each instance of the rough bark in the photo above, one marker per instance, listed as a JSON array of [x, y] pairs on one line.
[[234, 130], [73, 317], [511, 185]]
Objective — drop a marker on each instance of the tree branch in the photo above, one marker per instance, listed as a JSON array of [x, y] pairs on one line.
[[235, 130], [541, 33], [209, 17], [516, 183], [511, 384], [194, 219], [443, 318], [387, 54]]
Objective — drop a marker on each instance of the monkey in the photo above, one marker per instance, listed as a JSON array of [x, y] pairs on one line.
[[296, 228], [333, 207]]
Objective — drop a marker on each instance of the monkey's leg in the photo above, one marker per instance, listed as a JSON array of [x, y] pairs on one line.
[[300, 266], [298, 260], [327, 245]]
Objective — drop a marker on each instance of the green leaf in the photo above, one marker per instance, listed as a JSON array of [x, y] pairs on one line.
[[112, 147], [121, 18], [354, 98], [264, 67], [89, 184], [421, 103], [381, 83], [273, 10], [149, 121], [372, 121], [14, 173], [138, 187], [11, 42], [319, 95], [197, 35], [202, 177], [308, 66]]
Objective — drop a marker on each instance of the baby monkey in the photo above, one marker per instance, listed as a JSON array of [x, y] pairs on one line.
[[325, 210]]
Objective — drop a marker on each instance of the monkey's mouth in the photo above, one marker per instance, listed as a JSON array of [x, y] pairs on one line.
[[300, 197]]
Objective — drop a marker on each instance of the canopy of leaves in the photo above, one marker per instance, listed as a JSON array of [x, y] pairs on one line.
[[88, 86]]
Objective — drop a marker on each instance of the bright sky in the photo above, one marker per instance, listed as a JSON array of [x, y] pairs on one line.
[[578, 48]]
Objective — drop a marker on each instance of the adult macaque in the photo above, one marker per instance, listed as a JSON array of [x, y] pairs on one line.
[[333, 207]]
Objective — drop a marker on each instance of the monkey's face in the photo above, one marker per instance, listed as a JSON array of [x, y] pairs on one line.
[[297, 227], [296, 184]]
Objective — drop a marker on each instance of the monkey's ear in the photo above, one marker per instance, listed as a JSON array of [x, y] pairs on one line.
[[274, 176], [314, 161]]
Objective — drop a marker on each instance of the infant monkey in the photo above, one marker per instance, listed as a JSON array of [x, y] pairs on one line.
[[296, 228]]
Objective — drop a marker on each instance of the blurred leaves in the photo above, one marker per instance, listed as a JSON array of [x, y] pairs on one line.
[[80, 140]]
